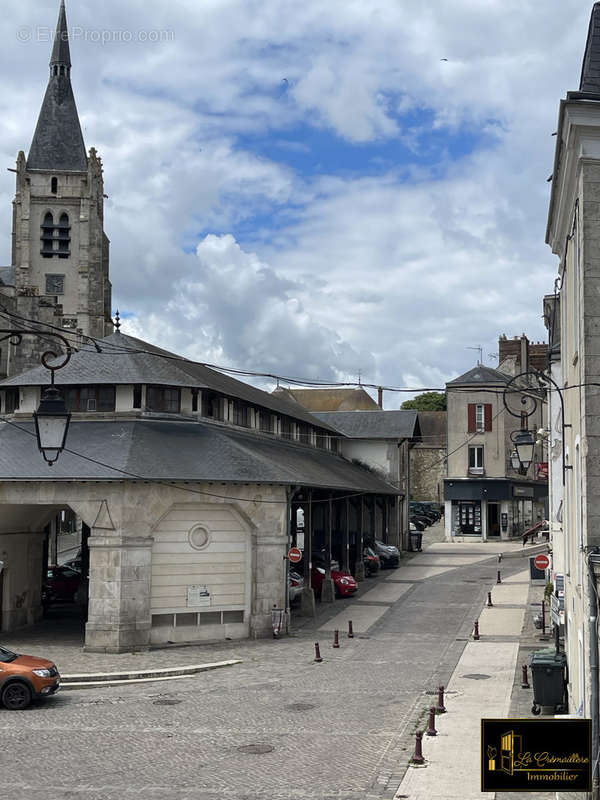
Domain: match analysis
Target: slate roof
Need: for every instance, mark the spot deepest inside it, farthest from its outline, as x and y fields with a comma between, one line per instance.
x=127, y=360
x=481, y=374
x=58, y=142
x=374, y=424
x=7, y=276
x=433, y=428
x=590, y=70
x=171, y=450
x=330, y=399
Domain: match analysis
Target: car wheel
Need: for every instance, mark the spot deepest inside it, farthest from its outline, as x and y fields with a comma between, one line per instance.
x=16, y=696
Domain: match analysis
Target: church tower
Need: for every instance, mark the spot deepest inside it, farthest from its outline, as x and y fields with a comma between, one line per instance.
x=60, y=253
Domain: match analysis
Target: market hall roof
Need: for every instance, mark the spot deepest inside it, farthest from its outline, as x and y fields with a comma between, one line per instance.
x=374, y=424
x=480, y=374
x=127, y=360
x=168, y=450
x=57, y=143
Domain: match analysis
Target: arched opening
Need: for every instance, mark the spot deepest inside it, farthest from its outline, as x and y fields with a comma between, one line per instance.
x=64, y=236
x=47, y=235
x=44, y=575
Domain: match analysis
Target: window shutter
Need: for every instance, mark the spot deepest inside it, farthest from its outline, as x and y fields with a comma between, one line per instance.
x=487, y=415
x=471, y=418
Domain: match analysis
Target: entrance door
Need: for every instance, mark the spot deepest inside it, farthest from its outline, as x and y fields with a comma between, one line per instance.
x=493, y=520
x=469, y=517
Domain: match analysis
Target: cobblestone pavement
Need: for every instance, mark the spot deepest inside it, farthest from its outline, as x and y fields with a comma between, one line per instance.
x=342, y=729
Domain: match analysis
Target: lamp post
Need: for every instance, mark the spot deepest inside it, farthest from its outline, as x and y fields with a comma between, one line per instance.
x=52, y=418
x=529, y=396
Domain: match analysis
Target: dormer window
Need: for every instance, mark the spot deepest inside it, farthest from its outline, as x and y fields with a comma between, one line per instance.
x=90, y=398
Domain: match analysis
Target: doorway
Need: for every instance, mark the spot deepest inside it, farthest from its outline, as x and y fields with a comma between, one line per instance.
x=493, y=520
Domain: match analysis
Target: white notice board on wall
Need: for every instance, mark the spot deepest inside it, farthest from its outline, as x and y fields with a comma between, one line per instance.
x=198, y=596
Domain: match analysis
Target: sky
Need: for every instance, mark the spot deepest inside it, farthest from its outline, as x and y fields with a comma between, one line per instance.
x=323, y=190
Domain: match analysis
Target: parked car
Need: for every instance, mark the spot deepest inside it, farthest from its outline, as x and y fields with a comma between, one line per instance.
x=344, y=583
x=24, y=677
x=371, y=561
x=296, y=585
x=61, y=584
x=74, y=563
x=418, y=522
x=389, y=556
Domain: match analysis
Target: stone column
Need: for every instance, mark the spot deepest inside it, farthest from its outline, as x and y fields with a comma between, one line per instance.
x=119, y=617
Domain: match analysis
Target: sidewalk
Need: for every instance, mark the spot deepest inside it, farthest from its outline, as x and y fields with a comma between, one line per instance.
x=485, y=683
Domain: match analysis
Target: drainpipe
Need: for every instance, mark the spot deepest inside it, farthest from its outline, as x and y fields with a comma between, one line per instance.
x=593, y=564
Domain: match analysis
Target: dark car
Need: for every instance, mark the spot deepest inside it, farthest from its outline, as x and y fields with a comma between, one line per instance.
x=61, y=584
x=371, y=561
x=24, y=677
x=389, y=555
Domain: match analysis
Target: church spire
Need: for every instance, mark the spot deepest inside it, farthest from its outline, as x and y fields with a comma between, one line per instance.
x=61, y=54
x=590, y=71
x=58, y=142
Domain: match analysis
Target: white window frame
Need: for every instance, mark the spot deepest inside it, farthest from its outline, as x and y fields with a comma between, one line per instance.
x=477, y=450
x=480, y=417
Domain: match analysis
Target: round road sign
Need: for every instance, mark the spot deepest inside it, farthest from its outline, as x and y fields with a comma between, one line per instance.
x=295, y=555
x=541, y=561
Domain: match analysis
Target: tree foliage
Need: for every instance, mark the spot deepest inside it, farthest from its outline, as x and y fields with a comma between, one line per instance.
x=428, y=401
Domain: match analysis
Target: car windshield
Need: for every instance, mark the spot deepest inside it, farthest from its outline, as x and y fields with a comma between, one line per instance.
x=7, y=656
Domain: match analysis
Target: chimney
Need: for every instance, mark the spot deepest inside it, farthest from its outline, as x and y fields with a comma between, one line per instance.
x=380, y=397
x=524, y=354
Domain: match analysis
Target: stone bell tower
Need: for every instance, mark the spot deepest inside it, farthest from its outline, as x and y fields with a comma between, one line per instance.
x=60, y=253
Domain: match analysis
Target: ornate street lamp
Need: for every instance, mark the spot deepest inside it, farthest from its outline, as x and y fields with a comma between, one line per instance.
x=51, y=424
x=522, y=455
x=531, y=388
x=52, y=417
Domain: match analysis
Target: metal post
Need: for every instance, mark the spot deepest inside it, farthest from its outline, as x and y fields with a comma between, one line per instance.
x=336, y=639
x=525, y=679
x=441, y=708
x=346, y=564
x=431, y=731
x=359, y=569
x=499, y=577
x=489, y=602
x=476, y=630
x=418, y=756
x=543, y=617
x=318, y=658
x=350, y=630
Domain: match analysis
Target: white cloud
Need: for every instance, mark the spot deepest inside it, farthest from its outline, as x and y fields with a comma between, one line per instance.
x=395, y=274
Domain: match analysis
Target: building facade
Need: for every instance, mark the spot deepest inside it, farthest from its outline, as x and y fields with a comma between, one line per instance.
x=572, y=315
x=484, y=496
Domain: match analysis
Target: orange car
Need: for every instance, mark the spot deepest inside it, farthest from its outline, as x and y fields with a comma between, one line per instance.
x=24, y=677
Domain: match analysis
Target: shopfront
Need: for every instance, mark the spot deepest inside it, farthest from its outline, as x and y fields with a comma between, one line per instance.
x=493, y=508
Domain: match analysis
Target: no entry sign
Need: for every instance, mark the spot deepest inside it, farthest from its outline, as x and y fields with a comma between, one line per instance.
x=295, y=555
x=541, y=561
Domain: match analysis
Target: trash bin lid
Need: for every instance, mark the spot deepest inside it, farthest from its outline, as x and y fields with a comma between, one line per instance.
x=548, y=658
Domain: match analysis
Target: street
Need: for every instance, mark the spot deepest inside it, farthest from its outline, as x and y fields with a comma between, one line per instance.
x=278, y=725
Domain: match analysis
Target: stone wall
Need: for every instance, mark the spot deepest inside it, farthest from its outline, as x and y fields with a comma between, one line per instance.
x=427, y=473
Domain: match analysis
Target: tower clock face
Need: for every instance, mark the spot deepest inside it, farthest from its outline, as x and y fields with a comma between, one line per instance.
x=55, y=284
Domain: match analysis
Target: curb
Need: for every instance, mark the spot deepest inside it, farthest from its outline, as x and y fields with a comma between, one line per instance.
x=94, y=679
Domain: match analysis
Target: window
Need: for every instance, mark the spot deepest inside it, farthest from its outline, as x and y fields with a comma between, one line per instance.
x=479, y=417
x=90, y=398
x=303, y=432
x=194, y=399
x=54, y=185
x=211, y=405
x=265, y=421
x=162, y=398
x=321, y=439
x=286, y=427
x=137, y=396
x=55, y=284
x=11, y=401
x=47, y=235
x=476, y=458
x=241, y=414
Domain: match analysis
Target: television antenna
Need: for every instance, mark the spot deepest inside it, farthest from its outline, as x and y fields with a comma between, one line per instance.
x=479, y=349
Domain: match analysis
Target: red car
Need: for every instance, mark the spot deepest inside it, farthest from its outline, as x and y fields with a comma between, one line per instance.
x=61, y=583
x=344, y=583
